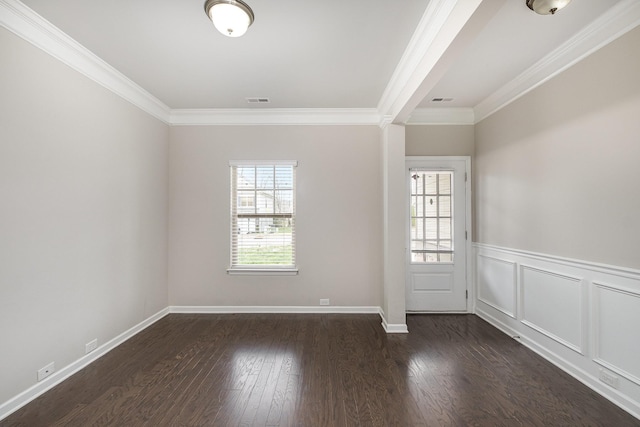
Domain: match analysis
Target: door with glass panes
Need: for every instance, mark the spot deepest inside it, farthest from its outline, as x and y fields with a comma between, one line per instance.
x=436, y=261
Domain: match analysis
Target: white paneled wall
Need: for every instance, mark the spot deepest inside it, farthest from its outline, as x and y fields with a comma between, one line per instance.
x=553, y=304
x=583, y=317
x=497, y=283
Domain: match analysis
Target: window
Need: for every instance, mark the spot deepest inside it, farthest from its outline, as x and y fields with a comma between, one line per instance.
x=263, y=208
x=431, y=216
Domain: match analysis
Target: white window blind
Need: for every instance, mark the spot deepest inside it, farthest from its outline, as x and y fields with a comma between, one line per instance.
x=263, y=215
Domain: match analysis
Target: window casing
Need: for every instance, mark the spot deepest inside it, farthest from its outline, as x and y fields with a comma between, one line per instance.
x=263, y=202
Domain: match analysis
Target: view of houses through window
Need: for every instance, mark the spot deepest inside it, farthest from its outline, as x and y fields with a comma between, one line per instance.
x=431, y=216
x=263, y=215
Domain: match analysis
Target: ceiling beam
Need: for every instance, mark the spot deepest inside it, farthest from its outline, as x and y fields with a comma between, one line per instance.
x=446, y=29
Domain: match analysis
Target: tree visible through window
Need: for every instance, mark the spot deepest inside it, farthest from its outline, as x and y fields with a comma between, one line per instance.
x=263, y=215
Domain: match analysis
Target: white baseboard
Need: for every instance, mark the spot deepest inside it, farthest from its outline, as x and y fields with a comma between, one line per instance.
x=274, y=309
x=393, y=328
x=17, y=402
x=389, y=328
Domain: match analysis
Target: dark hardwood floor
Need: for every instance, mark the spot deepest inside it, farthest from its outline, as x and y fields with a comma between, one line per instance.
x=320, y=370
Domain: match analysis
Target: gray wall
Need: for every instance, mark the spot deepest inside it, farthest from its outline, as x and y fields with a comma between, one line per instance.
x=556, y=171
x=439, y=140
x=83, y=196
x=339, y=215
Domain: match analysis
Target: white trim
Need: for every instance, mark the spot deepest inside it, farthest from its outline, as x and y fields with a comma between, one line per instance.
x=515, y=313
x=580, y=348
x=576, y=348
x=247, y=309
x=385, y=120
x=276, y=116
x=442, y=116
x=393, y=328
x=293, y=163
x=582, y=284
x=430, y=25
x=571, y=262
x=262, y=271
x=596, y=322
x=25, y=23
x=17, y=402
x=616, y=21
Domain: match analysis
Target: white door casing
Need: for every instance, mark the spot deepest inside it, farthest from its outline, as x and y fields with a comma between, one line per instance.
x=438, y=227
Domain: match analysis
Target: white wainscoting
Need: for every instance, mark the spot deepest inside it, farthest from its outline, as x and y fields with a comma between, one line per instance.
x=552, y=304
x=496, y=279
x=583, y=317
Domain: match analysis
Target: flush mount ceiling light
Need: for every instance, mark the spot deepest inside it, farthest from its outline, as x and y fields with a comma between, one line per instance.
x=230, y=17
x=546, y=7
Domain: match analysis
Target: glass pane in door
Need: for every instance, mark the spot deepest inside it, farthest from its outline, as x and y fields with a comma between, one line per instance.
x=431, y=216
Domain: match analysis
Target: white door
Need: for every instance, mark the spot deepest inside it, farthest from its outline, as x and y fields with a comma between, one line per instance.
x=437, y=230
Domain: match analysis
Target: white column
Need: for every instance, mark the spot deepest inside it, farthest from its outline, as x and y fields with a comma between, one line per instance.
x=393, y=176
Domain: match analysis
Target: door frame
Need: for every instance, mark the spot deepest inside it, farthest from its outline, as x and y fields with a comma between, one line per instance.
x=468, y=224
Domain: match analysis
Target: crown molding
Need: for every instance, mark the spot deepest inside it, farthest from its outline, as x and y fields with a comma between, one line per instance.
x=442, y=116
x=25, y=23
x=275, y=116
x=385, y=120
x=616, y=21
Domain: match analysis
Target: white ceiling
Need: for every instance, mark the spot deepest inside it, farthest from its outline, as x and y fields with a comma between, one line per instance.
x=329, y=54
x=512, y=41
x=297, y=53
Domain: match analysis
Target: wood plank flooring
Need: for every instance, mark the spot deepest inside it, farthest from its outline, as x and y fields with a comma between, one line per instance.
x=320, y=370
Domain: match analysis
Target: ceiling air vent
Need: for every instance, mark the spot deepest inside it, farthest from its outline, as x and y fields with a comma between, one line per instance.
x=257, y=100
x=442, y=100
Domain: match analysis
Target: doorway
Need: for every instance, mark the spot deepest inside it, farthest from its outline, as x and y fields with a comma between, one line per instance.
x=438, y=234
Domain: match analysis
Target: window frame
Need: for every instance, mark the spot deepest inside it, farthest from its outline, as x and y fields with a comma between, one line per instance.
x=259, y=269
x=438, y=195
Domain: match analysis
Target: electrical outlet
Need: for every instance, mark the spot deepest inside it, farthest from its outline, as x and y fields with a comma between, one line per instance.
x=46, y=371
x=90, y=346
x=608, y=378
x=324, y=301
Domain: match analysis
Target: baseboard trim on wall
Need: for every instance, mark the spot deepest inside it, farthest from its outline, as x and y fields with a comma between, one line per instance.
x=389, y=328
x=576, y=314
x=17, y=402
x=183, y=309
x=393, y=328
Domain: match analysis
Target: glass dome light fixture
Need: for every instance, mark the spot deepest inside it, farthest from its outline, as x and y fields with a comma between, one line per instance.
x=231, y=17
x=546, y=7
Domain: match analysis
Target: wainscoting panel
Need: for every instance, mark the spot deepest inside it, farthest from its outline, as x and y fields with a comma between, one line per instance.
x=617, y=330
x=581, y=316
x=552, y=304
x=497, y=283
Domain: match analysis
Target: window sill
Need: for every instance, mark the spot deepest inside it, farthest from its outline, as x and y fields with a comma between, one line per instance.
x=265, y=271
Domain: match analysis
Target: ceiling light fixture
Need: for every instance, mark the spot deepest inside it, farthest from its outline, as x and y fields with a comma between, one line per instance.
x=230, y=17
x=546, y=7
